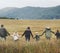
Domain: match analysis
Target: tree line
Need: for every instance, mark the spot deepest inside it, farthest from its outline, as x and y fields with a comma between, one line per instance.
x=6, y=18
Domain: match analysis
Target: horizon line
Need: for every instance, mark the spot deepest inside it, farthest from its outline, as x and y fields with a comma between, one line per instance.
x=31, y=6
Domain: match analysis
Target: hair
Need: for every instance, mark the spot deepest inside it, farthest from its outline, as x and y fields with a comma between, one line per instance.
x=2, y=25
x=57, y=30
x=28, y=27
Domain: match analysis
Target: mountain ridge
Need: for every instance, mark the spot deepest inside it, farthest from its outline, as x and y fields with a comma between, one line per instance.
x=31, y=12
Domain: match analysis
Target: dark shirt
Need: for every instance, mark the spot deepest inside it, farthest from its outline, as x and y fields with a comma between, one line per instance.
x=37, y=37
x=27, y=33
x=57, y=34
x=3, y=32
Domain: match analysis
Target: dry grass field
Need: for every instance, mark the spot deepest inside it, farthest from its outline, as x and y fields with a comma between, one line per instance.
x=21, y=46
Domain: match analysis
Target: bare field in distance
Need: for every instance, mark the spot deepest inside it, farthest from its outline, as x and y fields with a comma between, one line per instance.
x=36, y=25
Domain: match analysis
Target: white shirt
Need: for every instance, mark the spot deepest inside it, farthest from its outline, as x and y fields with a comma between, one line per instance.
x=15, y=36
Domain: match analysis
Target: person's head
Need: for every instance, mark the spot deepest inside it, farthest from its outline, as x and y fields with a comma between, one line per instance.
x=57, y=30
x=28, y=27
x=2, y=25
x=48, y=28
x=36, y=33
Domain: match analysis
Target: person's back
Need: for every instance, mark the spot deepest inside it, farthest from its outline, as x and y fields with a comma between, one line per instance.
x=27, y=34
x=57, y=34
x=3, y=32
x=15, y=36
x=48, y=33
x=37, y=36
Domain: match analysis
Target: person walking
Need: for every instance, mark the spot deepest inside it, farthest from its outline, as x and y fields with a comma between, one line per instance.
x=27, y=34
x=57, y=34
x=3, y=32
x=37, y=36
x=48, y=33
x=15, y=36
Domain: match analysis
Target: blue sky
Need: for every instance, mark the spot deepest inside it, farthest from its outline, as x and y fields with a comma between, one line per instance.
x=23, y=3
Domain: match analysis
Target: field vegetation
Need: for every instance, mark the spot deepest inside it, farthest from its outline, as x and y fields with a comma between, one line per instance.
x=21, y=46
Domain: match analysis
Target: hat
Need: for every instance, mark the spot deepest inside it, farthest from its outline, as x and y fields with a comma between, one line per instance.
x=48, y=27
x=36, y=32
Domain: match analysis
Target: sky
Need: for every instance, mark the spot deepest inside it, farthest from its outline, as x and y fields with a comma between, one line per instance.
x=24, y=3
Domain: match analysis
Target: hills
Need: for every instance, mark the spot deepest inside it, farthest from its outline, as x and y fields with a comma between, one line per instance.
x=31, y=12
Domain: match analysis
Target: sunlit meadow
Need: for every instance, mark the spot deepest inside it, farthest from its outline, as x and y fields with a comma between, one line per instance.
x=21, y=46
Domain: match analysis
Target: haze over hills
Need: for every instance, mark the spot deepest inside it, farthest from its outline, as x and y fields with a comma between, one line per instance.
x=31, y=12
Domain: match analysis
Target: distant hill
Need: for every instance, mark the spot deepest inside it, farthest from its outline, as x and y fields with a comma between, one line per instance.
x=31, y=12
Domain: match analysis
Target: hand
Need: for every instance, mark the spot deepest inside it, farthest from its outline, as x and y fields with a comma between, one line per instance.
x=40, y=35
x=33, y=37
x=21, y=36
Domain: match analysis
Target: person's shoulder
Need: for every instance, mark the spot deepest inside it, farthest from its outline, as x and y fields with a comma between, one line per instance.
x=27, y=30
x=2, y=28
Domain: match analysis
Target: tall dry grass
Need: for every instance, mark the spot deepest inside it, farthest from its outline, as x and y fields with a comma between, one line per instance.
x=21, y=46
x=47, y=46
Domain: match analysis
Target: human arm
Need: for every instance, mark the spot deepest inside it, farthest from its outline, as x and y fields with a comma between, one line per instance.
x=42, y=33
x=23, y=33
x=7, y=32
x=31, y=34
x=53, y=32
x=34, y=37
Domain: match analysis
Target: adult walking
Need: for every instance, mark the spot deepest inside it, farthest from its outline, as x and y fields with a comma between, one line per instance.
x=48, y=33
x=27, y=34
x=3, y=32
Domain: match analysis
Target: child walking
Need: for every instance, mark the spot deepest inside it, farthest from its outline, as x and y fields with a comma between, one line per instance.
x=57, y=34
x=37, y=36
x=15, y=36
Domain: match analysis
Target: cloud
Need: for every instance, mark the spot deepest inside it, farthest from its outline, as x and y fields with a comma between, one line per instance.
x=22, y=3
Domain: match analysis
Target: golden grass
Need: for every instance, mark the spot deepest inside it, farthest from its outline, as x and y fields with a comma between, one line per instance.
x=36, y=25
x=21, y=46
